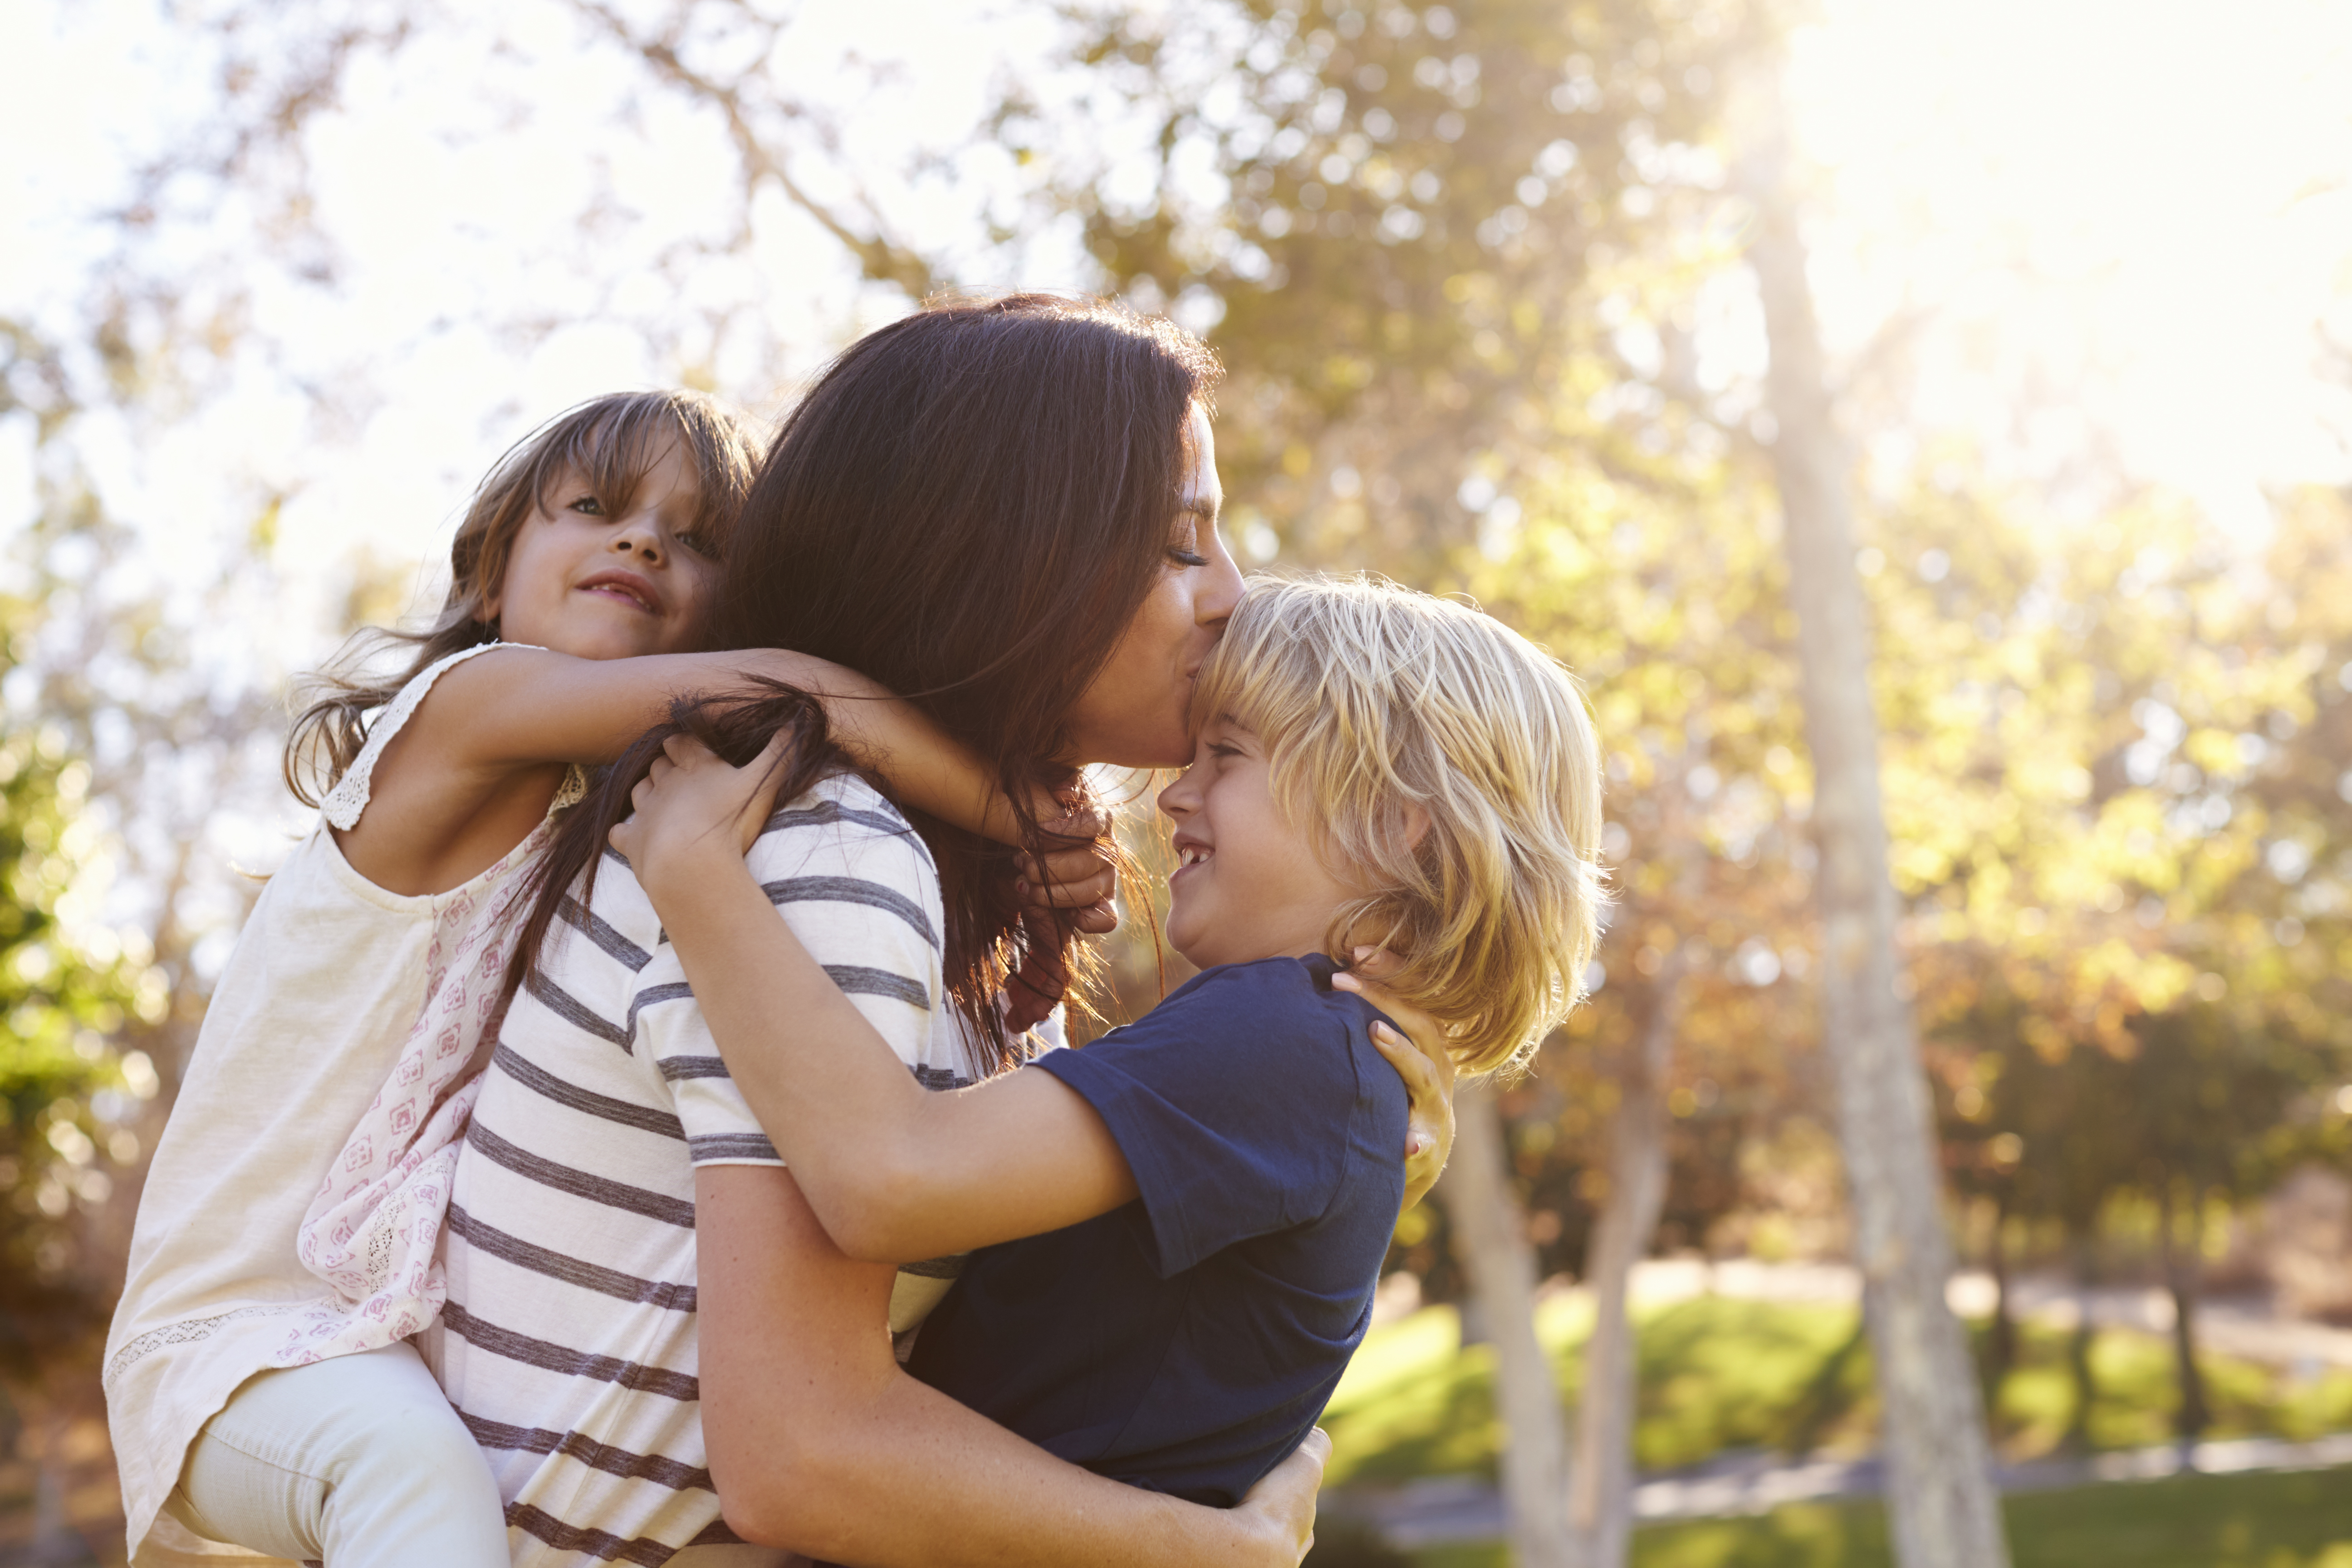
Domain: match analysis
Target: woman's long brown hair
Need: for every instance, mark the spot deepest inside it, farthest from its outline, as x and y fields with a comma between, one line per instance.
x=969, y=506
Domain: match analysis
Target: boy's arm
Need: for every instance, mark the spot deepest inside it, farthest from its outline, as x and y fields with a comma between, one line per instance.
x=818, y=1441
x=893, y=1170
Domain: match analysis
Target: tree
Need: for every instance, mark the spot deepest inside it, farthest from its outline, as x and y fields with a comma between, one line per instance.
x=67, y=1092
x=1941, y=1497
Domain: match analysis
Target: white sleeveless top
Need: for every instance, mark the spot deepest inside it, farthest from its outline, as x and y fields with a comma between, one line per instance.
x=292, y=1206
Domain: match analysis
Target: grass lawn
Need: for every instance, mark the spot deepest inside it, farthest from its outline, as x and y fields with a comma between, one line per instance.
x=1718, y=1374
x=2301, y=1520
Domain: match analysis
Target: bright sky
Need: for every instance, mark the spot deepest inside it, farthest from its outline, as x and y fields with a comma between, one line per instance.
x=2144, y=206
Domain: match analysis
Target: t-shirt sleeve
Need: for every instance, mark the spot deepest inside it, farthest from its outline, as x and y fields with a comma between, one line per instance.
x=1230, y=1104
x=855, y=886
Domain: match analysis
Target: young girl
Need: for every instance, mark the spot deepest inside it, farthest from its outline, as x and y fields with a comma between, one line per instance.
x=1183, y=1223
x=259, y=1384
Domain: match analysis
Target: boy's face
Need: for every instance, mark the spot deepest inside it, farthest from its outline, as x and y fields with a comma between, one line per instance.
x=596, y=587
x=1249, y=885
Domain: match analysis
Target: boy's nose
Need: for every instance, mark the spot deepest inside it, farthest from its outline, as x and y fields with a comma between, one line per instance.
x=1175, y=802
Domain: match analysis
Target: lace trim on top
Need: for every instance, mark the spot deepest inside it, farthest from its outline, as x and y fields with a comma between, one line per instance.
x=343, y=804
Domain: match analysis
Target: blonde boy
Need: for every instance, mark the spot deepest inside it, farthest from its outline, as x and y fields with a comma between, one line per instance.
x=1180, y=1226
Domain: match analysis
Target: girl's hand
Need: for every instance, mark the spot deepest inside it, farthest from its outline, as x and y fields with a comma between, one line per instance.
x=1078, y=879
x=1061, y=892
x=695, y=813
x=1421, y=1060
x=1281, y=1508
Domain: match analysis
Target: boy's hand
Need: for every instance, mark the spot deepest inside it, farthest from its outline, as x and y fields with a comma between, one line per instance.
x=695, y=812
x=1424, y=1062
x=1281, y=1508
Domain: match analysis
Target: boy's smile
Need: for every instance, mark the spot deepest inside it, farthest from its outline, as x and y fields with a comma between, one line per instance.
x=1249, y=884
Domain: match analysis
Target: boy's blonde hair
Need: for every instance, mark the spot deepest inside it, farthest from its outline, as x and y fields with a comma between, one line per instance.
x=1377, y=704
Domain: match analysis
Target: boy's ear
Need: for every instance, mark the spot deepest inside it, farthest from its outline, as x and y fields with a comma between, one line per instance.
x=1416, y=826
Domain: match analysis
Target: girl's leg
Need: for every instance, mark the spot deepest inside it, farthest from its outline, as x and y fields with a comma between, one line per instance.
x=357, y=1462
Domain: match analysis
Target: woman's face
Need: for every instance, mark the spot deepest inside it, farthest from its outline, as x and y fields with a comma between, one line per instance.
x=1134, y=712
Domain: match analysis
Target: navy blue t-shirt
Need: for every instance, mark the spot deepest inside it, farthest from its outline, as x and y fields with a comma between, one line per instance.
x=1188, y=1341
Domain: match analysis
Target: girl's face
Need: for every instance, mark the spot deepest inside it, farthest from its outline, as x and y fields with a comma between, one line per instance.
x=1135, y=711
x=596, y=587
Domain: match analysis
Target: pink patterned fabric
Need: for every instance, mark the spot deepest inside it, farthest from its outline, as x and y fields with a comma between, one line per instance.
x=372, y=1230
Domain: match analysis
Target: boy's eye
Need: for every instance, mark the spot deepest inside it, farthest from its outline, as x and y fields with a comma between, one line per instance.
x=1224, y=749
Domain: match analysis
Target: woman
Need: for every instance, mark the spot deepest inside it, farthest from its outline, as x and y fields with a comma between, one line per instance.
x=1006, y=512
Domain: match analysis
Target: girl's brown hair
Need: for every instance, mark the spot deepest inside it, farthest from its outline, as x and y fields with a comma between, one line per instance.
x=607, y=445
x=969, y=506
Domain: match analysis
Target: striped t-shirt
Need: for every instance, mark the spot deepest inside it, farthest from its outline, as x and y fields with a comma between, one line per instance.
x=568, y=1342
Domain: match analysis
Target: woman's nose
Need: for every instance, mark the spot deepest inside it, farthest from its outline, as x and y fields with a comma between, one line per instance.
x=1221, y=592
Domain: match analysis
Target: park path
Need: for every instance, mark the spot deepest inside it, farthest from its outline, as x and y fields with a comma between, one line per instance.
x=1454, y=1508
x=1450, y=1509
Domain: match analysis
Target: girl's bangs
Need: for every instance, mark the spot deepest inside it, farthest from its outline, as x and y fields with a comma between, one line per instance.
x=615, y=444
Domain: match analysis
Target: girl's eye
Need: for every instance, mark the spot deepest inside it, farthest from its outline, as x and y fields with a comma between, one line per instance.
x=586, y=506
x=701, y=544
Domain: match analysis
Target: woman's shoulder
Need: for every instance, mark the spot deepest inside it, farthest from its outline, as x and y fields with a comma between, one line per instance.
x=841, y=815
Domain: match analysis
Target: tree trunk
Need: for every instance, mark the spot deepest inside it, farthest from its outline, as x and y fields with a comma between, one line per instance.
x=2000, y=1338
x=55, y=1543
x=2083, y=1246
x=2193, y=1415
x=1492, y=1243
x=1601, y=1481
x=1940, y=1499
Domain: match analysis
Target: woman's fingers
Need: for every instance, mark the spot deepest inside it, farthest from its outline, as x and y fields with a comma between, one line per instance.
x=1427, y=1068
x=1285, y=1497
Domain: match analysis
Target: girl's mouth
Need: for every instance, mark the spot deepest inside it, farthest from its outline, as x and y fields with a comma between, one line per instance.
x=625, y=586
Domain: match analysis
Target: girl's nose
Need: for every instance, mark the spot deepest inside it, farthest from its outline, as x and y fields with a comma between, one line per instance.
x=639, y=539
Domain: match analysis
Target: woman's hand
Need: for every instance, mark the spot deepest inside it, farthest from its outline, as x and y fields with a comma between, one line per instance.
x=1424, y=1062
x=696, y=813
x=1281, y=1508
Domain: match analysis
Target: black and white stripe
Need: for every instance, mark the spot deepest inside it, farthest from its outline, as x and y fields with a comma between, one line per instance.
x=569, y=1339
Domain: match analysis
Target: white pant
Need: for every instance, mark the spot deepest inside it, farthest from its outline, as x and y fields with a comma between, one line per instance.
x=356, y=1462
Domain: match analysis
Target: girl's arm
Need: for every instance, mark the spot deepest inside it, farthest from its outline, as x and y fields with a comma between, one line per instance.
x=820, y=1442
x=471, y=772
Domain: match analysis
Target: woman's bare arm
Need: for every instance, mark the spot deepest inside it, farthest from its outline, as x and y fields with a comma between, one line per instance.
x=819, y=1442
